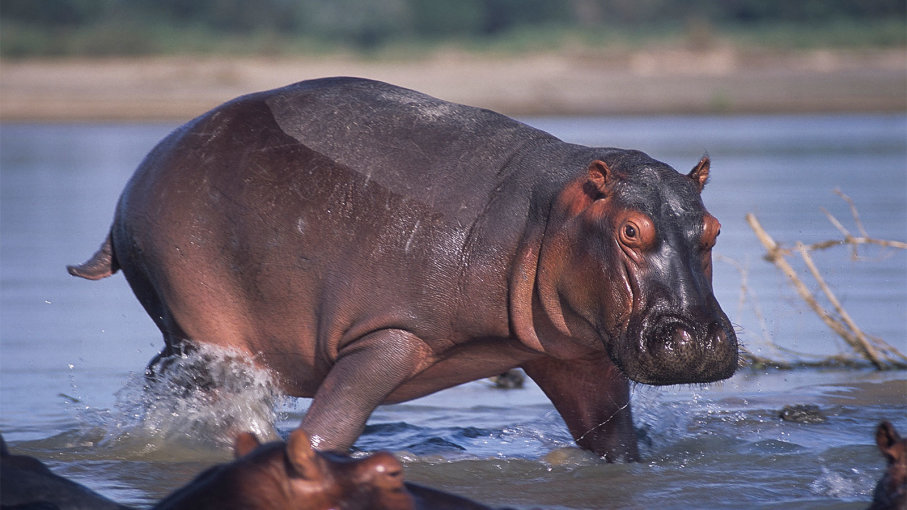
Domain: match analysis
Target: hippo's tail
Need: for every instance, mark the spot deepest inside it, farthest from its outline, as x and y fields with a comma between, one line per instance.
x=101, y=265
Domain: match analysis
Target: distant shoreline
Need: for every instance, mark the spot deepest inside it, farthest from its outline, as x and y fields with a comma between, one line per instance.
x=722, y=80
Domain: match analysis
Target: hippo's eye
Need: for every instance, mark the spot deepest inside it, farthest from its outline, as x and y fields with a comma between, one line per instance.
x=636, y=232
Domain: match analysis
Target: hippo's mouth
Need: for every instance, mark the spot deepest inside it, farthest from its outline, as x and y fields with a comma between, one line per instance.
x=671, y=349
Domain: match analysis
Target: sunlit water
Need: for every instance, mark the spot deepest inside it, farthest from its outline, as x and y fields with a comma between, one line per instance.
x=72, y=352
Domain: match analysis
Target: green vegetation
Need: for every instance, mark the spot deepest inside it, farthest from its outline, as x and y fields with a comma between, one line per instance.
x=141, y=27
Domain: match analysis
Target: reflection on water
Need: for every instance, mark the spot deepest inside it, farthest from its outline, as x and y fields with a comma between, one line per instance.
x=72, y=352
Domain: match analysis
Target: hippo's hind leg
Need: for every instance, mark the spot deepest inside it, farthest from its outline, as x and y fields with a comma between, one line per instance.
x=176, y=347
x=175, y=340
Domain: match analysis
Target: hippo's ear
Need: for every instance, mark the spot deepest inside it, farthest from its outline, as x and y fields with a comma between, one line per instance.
x=244, y=443
x=886, y=437
x=302, y=456
x=700, y=172
x=599, y=180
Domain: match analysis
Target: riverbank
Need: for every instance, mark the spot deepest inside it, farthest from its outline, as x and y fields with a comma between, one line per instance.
x=657, y=81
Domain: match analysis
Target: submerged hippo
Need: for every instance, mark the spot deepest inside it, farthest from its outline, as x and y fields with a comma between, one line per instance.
x=292, y=476
x=273, y=476
x=891, y=491
x=370, y=244
x=27, y=483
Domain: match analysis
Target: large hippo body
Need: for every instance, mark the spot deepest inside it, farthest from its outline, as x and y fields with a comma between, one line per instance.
x=371, y=244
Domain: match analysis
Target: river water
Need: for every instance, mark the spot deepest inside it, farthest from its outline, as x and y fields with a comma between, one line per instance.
x=72, y=351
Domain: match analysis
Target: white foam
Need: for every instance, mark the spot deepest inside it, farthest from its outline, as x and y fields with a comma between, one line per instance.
x=854, y=484
x=202, y=400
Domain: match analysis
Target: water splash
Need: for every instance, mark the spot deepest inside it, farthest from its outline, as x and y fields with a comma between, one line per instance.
x=196, y=406
x=852, y=485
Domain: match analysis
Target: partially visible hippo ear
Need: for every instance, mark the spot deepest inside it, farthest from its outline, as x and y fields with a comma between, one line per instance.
x=886, y=437
x=245, y=442
x=302, y=456
x=700, y=172
x=600, y=179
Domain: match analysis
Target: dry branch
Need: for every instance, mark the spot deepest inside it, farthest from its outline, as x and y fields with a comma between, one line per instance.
x=853, y=212
x=876, y=351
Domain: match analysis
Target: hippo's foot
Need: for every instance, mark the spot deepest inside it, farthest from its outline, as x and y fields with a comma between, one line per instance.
x=171, y=364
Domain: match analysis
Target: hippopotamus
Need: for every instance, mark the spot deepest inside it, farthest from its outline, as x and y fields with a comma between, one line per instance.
x=293, y=476
x=26, y=482
x=891, y=491
x=271, y=476
x=371, y=244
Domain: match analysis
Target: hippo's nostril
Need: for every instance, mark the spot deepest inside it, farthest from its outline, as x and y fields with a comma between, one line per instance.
x=681, y=339
x=671, y=338
x=720, y=337
x=392, y=471
x=387, y=472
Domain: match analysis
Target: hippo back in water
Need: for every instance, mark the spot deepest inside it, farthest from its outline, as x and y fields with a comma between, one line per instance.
x=370, y=244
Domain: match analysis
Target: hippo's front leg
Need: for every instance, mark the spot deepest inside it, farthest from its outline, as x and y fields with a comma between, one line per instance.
x=365, y=373
x=593, y=397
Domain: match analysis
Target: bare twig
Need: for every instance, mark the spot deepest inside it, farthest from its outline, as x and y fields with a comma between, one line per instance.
x=853, y=212
x=875, y=350
x=857, y=339
x=852, y=240
x=834, y=221
x=848, y=239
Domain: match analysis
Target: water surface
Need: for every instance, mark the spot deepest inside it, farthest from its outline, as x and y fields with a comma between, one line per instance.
x=72, y=351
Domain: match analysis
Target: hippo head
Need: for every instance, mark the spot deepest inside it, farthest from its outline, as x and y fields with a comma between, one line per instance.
x=327, y=480
x=630, y=265
x=293, y=476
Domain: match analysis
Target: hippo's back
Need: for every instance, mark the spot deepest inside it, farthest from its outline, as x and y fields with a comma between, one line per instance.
x=415, y=145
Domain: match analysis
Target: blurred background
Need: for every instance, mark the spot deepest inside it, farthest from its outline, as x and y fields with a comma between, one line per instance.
x=141, y=27
x=173, y=59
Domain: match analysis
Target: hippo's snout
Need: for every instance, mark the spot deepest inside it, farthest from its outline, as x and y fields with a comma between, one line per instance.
x=677, y=351
x=383, y=471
